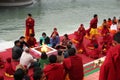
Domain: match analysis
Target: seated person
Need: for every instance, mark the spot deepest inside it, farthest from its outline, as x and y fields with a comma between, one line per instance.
x=113, y=27
x=109, y=22
x=1, y=77
x=1, y=63
x=55, y=32
x=95, y=52
x=38, y=74
x=19, y=74
x=54, y=71
x=9, y=71
x=63, y=43
x=44, y=39
x=105, y=30
x=54, y=40
x=43, y=60
x=26, y=58
x=92, y=42
x=22, y=42
x=32, y=41
x=60, y=56
x=16, y=50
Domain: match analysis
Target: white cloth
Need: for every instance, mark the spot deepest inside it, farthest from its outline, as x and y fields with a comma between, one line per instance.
x=26, y=59
x=113, y=27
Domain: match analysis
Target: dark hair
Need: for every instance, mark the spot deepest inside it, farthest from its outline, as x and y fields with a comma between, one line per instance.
x=95, y=45
x=43, y=33
x=17, y=41
x=29, y=14
x=109, y=19
x=22, y=37
x=59, y=52
x=116, y=37
x=52, y=58
x=66, y=36
x=69, y=46
x=32, y=35
x=71, y=51
x=37, y=73
x=95, y=15
x=19, y=74
x=44, y=55
x=104, y=20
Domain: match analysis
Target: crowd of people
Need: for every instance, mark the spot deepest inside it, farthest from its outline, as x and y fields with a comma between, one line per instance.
x=67, y=64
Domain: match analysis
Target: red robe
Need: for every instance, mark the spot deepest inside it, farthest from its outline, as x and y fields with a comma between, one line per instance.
x=54, y=71
x=29, y=26
x=105, y=30
x=108, y=40
x=110, y=70
x=93, y=23
x=94, y=53
x=31, y=42
x=1, y=63
x=9, y=69
x=74, y=67
x=54, y=32
x=92, y=43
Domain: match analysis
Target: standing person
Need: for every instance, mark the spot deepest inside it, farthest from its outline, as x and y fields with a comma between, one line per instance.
x=93, y=25
x=110, y=70
x=16, y=50
x=29, y=26
x=73, y=65
x=54, y=71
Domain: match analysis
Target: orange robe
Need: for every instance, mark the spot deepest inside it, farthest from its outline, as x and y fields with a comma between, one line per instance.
x=74, y=67
x=110, y=70
x=29, y=27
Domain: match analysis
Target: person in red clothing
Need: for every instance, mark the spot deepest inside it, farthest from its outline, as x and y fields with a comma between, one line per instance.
x=29, y=26
x=79, y=36
x=31, y=41
x=105, y=30
x=109, y=22
x=73, y=65
x=54, y=71
x=1, y=63
x=94, y=53
x=93, y=41
x=110, y=69
x=93, y=26
x=9, y=71
x=55, y=32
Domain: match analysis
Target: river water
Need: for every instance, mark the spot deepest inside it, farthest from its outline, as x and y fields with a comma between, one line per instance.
x=66, y=15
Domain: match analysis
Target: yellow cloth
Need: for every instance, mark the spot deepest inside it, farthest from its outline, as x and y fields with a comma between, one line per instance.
x=8, y=75
x=93, y=31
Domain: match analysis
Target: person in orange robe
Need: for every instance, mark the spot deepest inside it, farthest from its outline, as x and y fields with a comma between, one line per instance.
x=32, y=41
x=79, y=36
x=110, y=69
x=109, y=22
x=29, y=26
x=9, y=71
x=73, y=65
x=105, y=30
x=54, y=71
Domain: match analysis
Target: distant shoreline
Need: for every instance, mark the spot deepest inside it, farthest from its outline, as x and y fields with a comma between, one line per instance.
x=12, y=4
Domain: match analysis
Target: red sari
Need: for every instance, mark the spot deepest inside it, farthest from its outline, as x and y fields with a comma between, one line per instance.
x=29, y=27
x=110, y=70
